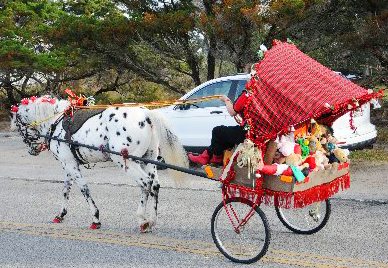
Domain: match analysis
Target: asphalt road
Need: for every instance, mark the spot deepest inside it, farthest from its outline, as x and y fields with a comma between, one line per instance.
x=30, y=196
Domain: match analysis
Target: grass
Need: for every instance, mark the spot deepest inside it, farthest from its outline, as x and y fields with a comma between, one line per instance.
x=382, y=135
x=370, y=155
x=378, y=153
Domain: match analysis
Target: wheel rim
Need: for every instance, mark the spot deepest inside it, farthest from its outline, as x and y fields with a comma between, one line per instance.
x=250, y=243
x=305, y=220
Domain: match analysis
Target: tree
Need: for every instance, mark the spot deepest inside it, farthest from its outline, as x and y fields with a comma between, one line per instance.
x=172, y=44
x=345, y=35
x=24, y=57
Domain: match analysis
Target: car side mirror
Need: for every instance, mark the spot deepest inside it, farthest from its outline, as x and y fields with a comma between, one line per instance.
x=184, y=107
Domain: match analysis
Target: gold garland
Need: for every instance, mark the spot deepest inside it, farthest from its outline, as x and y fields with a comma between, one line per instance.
x=152, y=103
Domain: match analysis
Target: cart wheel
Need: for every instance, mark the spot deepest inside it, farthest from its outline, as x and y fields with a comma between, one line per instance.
x=251, y=241
x=307, y=220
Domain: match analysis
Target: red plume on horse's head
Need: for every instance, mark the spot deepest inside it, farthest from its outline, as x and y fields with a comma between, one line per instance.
x=14, y=109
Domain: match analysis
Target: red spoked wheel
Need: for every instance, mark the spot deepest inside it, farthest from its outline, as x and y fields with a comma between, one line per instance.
x=240, y=230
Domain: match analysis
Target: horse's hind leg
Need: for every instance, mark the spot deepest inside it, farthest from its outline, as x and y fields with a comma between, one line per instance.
x=153, y=189
x=137, y=173
x=66, y=191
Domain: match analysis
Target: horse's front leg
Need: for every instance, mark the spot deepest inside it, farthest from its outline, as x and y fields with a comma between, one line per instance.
x=65, y=194
x=74, y=173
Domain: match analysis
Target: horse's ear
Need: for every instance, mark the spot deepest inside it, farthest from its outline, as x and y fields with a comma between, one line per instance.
x=12, y=116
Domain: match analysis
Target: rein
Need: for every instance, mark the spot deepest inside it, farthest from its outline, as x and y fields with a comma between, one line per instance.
x=31, y=140
x=127, y=156
x=44, y=120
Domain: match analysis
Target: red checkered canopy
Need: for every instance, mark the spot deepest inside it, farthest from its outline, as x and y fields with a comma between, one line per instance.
x=290, y=88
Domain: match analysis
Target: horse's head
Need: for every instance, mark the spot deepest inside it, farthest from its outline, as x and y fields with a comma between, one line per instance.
x=34, y=117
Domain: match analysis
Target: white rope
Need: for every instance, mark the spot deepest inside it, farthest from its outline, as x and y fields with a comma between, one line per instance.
x=248, y=156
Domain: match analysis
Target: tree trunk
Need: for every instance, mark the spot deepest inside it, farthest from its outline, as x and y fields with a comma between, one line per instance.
x=211, y=59
x=239, y=66
x=192, y=61
x=10, y=95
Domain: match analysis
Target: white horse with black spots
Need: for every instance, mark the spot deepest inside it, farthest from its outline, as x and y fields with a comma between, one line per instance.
x=128, y=130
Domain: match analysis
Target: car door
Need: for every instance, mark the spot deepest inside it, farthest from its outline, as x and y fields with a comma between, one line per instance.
x=193, y=123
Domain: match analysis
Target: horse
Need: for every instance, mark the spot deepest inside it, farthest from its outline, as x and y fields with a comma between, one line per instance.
x=137, y=131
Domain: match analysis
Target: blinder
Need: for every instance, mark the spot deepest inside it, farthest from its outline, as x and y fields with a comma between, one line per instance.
x=32, y=141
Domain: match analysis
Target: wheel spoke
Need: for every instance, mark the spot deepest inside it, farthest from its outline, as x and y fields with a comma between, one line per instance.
x=307, y=220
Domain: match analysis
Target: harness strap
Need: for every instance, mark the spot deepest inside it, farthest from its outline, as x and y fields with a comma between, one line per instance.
x=74, y=149
x=77, y=155
x=52, y=130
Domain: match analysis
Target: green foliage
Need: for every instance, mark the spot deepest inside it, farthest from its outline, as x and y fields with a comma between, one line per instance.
x=131, y=46
x=345, y=35
x=21, y=45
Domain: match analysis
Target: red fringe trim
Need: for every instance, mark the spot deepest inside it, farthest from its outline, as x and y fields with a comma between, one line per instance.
x=321, y=192
x=284, y=200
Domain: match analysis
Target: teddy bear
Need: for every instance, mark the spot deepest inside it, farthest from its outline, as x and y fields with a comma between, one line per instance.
x=296, y=160
x=321, y=161
x=339, y=156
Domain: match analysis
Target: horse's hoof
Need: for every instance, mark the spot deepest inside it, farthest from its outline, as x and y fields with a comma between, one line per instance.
x=95, y=226
x=57, y=220
x=145, y=227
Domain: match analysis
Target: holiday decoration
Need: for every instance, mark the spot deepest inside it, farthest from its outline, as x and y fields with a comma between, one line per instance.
x=293, y=101
x=290, y=88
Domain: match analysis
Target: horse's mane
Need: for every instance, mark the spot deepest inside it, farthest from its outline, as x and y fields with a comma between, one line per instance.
x=43, y=107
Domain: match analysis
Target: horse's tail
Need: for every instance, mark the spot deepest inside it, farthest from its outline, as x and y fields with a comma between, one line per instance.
x=170, y=148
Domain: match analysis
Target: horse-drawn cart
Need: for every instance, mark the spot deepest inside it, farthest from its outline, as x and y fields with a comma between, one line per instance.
x=287, y=91
x=293, y=101
x=240, y=228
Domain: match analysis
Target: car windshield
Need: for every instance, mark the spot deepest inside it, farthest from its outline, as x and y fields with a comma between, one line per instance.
x=219, y=88
x=240, y=87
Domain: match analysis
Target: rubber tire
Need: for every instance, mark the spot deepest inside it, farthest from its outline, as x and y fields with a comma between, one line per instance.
x=266, y=228
x=305, y=232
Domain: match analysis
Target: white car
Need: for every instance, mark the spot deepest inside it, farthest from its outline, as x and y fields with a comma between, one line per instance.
x=193, y=123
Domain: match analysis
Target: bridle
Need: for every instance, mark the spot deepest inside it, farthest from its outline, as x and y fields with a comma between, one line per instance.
x=36, y=141
x=23, y=131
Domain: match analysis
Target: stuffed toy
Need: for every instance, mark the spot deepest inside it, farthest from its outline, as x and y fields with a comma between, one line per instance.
x=315, y=145
x=285, y=145
x=279, y=158
x=312, y=146
x=319, y=130
x=310, y=160
x=321, y=161
x=295, y=162
x=330, y=144
x=304, y=148
x=339, y=156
